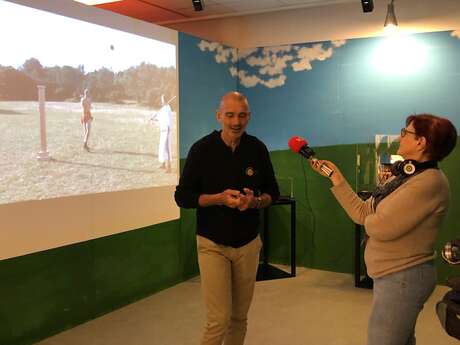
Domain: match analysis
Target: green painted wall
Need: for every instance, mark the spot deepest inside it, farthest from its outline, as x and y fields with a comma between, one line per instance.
x=47, y=292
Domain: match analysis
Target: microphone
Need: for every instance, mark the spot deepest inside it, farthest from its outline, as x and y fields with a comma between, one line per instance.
x=300, y=146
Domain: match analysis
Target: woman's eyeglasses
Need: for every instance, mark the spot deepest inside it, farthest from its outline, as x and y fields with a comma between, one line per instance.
x=405, y=131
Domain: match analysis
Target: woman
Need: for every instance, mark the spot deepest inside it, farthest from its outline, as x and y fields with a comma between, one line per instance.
x=402, y=219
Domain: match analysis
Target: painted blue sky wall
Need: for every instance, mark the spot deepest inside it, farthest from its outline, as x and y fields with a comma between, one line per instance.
x=345, y=92
x=203, y=78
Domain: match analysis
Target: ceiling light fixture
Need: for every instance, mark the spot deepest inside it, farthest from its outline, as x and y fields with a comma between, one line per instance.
x=391, y=24
x=368, y=5
x=198, y=5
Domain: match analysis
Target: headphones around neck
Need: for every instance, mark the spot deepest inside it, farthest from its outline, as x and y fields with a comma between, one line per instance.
x=409, y=167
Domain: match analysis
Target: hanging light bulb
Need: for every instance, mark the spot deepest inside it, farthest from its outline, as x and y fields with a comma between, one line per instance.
x=391, y=24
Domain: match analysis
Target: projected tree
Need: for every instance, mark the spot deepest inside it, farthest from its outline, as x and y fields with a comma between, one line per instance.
x=143, y=84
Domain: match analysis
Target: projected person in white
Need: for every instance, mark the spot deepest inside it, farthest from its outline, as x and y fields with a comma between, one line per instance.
x=164, y=117
x=86, y=117
x=228, y=177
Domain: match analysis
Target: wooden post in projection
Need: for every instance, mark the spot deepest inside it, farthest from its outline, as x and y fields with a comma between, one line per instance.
x=43, y=153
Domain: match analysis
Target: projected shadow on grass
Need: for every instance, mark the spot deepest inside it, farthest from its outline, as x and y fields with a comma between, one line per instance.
x=104, y=166
x=111, y=152
x=10, y=112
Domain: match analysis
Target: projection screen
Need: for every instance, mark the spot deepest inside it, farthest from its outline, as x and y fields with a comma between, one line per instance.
x=89, y=115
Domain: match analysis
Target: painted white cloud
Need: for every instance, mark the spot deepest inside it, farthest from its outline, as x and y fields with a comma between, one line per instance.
x=248, y=80
x=269, y=63
x=273, y=60
x=306, y=55
x=277, y=49
x=276, y=66
x=275, y=82
x=456, y=34
x=243, y=53
x=223, y=54
x=252, y=80
x=258, y=61
x=338, y=43
x=233, y=71
x=234, y=54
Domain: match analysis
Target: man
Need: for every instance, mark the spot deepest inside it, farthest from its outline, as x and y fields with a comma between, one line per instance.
x=164, y=117
x=228, y=177
x=86, y=118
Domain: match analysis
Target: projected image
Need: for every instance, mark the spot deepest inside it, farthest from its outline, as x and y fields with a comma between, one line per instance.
x=83, y=108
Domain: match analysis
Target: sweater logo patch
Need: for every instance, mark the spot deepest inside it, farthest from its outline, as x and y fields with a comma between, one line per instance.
x=250, y=171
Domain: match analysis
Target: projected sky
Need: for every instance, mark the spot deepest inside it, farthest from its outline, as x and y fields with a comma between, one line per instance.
x=59, y=40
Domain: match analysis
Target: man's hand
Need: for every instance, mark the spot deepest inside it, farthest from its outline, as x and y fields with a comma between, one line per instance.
x=247, y=200
x=231, y=198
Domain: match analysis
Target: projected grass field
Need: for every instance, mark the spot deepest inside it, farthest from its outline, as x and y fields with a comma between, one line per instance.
x=124, y=148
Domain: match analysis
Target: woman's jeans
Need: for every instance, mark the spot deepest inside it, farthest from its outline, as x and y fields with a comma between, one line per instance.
x=398, y=299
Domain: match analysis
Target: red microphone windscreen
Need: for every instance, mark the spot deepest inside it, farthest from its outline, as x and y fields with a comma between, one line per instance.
x=296, y=143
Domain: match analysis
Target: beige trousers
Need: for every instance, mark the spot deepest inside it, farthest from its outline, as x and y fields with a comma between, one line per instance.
x=228, y=277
